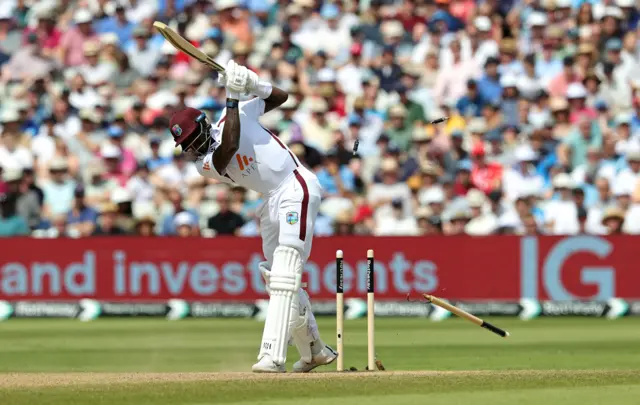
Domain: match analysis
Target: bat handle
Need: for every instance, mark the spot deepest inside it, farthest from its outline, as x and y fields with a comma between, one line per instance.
x=494, y=329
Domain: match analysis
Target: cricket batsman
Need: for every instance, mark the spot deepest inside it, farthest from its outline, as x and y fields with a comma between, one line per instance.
x=238, y=150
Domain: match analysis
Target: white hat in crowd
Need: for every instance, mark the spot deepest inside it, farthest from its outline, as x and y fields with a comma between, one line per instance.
x=184, y=218
x=109, y=151
x=121, y=195
x=475, y=198
x=482, y=23
x=82, y=16
x=58, y=164
x=525, y=153
x=576, y=90
x=434, y=195
x=9, y=175
x=537, y=19
x=9, y=115
x=562, y=180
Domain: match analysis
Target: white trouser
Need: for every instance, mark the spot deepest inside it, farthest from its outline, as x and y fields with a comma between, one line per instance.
x=287, y=219
x=288, y=216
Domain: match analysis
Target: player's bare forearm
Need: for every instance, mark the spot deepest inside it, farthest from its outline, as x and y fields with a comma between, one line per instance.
x=230, y=140
x=275, y=99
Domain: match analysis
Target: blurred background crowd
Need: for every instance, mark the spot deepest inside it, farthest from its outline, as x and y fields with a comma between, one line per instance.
x=543, y=100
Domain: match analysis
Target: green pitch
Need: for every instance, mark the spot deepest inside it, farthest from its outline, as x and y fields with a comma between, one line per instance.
x=199, y=362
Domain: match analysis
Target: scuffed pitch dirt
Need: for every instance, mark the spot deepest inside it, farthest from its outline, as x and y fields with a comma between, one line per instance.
x=27, y=380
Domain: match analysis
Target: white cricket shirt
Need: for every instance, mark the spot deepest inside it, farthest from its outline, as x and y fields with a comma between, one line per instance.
x=262, y=161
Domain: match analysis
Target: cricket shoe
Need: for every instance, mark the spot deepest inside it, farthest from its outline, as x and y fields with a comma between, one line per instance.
x=267, y=365
x=326, y=356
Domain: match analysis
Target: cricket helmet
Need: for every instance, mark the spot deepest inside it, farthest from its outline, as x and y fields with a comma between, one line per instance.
x=190, y=129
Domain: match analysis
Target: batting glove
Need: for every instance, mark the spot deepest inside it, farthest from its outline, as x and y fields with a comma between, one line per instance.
x=252, y=82
x=222, y=82
x=237, y=77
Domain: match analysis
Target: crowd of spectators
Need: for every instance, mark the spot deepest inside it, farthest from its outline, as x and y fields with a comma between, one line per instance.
x=542, y=99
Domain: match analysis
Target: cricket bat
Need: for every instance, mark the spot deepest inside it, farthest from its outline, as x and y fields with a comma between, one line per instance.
x=185, y=46
x=465, y=315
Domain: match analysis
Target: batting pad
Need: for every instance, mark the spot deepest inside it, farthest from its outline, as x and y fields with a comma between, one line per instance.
x=285, y=280
x=265, y=270
x=304, y=330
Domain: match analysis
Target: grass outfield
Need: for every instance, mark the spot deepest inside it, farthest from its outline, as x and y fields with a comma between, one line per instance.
x=197, y=362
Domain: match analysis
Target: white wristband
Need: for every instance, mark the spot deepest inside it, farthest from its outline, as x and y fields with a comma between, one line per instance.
x=263, y=89
x=233, y=94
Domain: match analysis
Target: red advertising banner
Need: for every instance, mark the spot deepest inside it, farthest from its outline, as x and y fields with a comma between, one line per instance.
x=226, y=269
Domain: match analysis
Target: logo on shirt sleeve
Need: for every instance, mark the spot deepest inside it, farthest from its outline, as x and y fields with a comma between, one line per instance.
x=292, y=217
x=206, y=166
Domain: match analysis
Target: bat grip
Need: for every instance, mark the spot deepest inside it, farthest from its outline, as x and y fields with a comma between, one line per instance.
x=494, y=329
